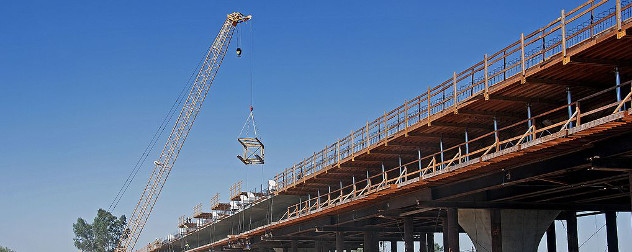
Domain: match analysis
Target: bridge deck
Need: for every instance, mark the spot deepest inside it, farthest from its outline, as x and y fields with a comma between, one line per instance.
x=416, y=158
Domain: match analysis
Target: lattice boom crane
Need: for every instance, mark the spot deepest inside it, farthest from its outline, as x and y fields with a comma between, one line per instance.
x=192, y=105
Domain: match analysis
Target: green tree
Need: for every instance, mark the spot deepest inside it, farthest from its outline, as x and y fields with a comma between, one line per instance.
x=102, y=235
x=5, y=249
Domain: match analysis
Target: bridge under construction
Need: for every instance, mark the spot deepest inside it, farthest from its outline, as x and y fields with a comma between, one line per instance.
x=538, y=131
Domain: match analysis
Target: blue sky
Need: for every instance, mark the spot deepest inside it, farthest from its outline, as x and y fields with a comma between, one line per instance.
x=84, y=85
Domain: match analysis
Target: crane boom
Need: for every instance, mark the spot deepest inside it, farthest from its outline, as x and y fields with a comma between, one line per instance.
x=190, y=109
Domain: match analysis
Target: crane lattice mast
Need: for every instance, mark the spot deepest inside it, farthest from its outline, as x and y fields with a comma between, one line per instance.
x=190, y=109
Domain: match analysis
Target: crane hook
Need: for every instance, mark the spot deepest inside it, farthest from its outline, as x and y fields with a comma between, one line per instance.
x=238, y=52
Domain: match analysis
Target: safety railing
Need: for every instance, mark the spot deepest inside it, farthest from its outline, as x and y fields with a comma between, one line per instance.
x=571, y=29
x=553, y=123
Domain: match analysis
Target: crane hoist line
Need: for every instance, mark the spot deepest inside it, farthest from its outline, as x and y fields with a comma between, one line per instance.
x=175, y=141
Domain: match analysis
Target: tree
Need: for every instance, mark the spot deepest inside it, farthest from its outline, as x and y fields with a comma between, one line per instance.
x=5, y=249
x=102, y=235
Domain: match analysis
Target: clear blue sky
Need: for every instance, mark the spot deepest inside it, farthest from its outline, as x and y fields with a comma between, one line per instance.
x=84, y=84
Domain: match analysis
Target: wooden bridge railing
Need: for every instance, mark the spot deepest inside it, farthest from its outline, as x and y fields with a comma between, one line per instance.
x=571, y=29
x=519, y=135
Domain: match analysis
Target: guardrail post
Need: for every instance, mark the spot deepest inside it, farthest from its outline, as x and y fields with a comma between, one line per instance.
x=456, y=107
x=620, y=32
x=338, y=151
x=354, y=187
x=383, y=173
x=428, y=99
x=486, y=80
x=352, y=152
x=523, y=63
x=366, y=131
x=385, y=129
x=577, y=108
x=406, y=117
x=565, y=59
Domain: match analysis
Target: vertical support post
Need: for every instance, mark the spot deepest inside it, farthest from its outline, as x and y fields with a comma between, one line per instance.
x=453, y=230
x=340, y=242
x=551, y=242
x=523, y=63
x=568, y=103
x=430, y=242
x=285, y=249
x=294, y=246
x=446, y=236
x=318, y=200
x=393, y=246
x=428, y=108
x=383, y=172
x=529, y=122
x=338, y=151
x=370, y=243
x=366, y=132
x=543, y=45
x=408, y=234
x=496, y=230
x=385, y=128
x=354, y=186
x=423, y=245
x=571, y=232
x=565, y=59
x=318, y=246
x=496, y=132
x=399, y=161
x=611, y=231
x=441, y=148
x=486, y=95
x=620, y=32
x=618, y=85
x=456, y=107
x=467, y=146
x=419, y=158
x=352, y=151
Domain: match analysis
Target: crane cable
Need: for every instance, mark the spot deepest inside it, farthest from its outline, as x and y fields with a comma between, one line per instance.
x=156, y=136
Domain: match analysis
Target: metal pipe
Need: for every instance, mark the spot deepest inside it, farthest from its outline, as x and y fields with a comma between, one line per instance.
x=618, y=83
x=467, y=146
x=495, y=130
x=529, y=123
x=570, y=109
x=419, y=157
x=441, y=147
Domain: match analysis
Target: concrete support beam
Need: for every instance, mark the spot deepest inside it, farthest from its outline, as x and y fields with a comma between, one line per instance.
x=430, y=241
x=520, y=230
x=340, y=242
x=453, y=230
x=571, y=232
x=371, y=244
x=551, y=242
x=496, y=230
x=611, y=232
x=408, y=234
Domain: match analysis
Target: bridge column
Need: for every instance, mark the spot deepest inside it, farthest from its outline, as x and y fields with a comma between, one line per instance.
x=294, y=246
x=340, y=242
x=611, y=231
x=453, y=230
x=551, y=242
x=393, y=246
x=408, y=234
x=423, y=246
x=571, y=232
x=430, y=241
x=520, y=230
x=371, y=244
